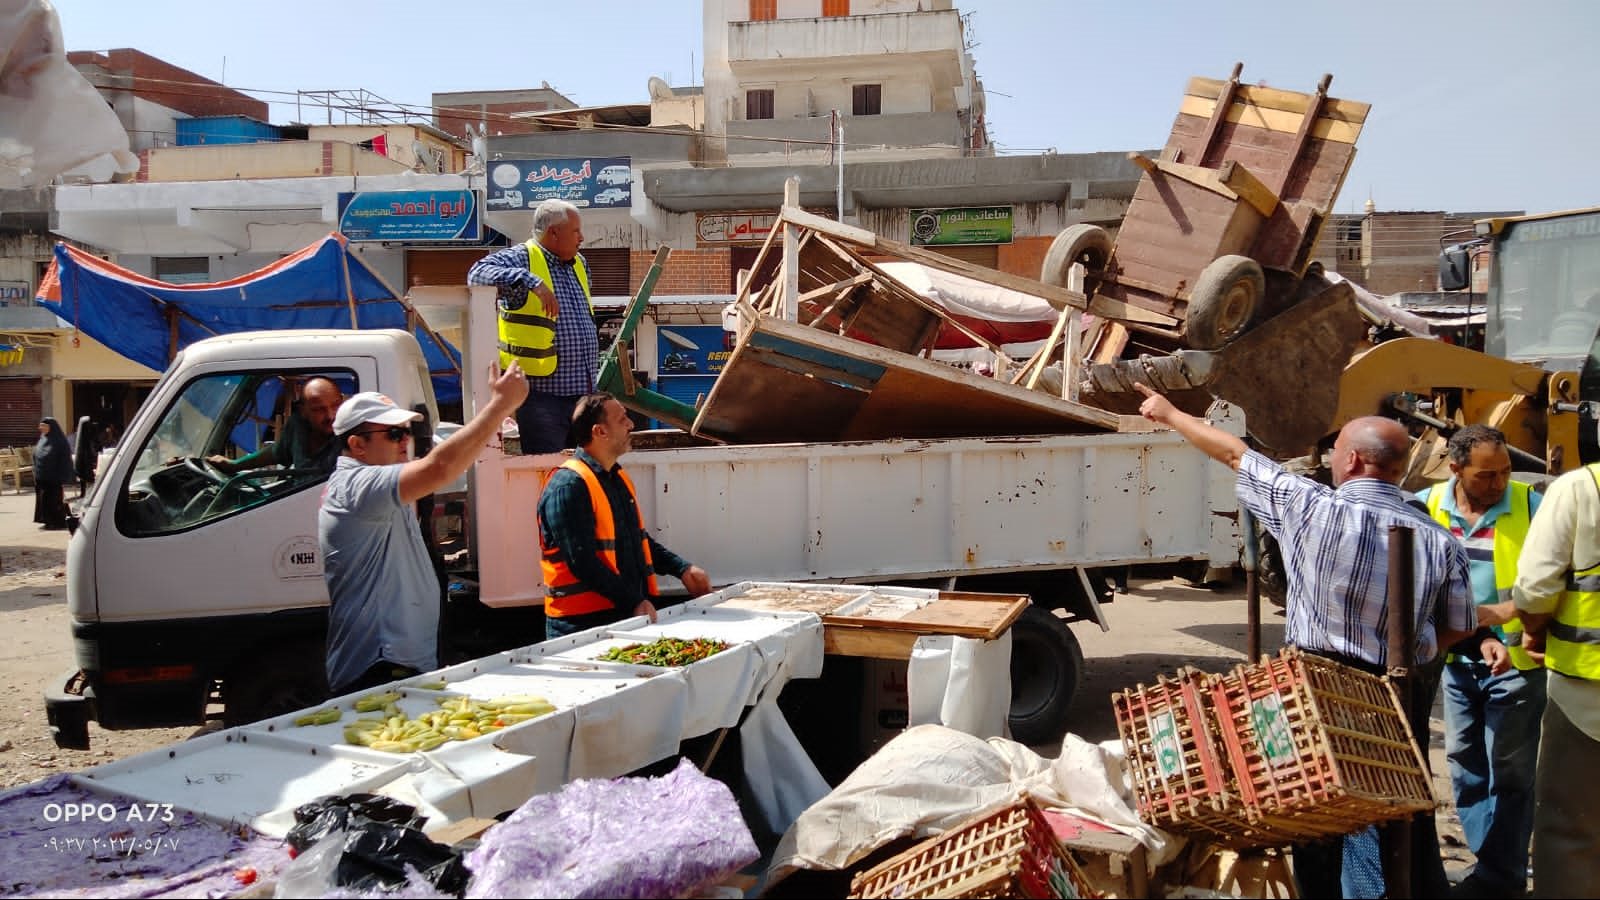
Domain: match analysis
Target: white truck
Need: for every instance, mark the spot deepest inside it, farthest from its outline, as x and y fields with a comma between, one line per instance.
x=187, y=586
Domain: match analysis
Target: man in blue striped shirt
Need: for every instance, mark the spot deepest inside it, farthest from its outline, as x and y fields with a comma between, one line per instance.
x=1336, y=557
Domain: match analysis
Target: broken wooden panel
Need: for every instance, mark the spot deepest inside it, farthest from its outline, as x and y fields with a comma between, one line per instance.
x=787, y=382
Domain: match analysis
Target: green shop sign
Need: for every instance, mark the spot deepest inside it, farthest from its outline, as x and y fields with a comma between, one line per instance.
x=961, y=225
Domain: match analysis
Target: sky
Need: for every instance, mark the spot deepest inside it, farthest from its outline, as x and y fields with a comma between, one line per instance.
x=1476, y=105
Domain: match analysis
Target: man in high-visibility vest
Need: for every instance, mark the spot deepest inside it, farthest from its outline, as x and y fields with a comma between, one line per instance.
x=1557, y=595
x=599, y=563
x=546, y=322
x=1494, y=692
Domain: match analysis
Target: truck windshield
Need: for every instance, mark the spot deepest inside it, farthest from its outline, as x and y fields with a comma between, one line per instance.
x=1544, y=289
x=229, y=442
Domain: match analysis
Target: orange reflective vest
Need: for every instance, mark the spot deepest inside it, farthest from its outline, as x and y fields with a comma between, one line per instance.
x=567, y=596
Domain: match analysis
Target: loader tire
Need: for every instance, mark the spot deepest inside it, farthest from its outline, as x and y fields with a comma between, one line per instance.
x=1046, y=669
x=1081, y=243
x=275, y=681
x=1223, y=302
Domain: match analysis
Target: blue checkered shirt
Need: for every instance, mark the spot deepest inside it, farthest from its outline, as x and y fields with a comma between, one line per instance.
x=1336, y=555
x=577, y=342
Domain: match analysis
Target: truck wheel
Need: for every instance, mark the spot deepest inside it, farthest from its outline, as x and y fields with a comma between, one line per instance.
x=1081, y=243
x=285, y=679
x=1223, y=302
x=1046, y=669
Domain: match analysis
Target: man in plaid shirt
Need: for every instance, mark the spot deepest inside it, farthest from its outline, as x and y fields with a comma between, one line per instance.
x=563, y=369
x=1336, y=556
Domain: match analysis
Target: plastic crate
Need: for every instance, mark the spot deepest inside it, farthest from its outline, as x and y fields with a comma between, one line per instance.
x=1319, y=748
x=1010, y=852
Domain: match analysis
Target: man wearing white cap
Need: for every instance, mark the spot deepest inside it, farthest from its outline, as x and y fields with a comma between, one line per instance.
x=383, y=618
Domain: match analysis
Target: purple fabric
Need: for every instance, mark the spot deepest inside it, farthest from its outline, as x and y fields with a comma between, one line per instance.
x=628, y=837
x=126, y=849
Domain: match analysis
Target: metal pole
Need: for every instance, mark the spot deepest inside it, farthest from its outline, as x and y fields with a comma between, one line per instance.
x=1252, y=586
x=1397, y=874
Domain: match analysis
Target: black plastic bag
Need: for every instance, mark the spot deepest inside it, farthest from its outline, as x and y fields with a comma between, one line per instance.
x=320, y=818
x=381, y=838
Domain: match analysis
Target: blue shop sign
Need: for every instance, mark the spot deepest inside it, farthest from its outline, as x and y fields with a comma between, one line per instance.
x=691, y=350
x=587, y=182
x=410, y=216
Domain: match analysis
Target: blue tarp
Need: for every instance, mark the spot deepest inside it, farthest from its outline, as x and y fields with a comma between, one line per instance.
x=132, y=314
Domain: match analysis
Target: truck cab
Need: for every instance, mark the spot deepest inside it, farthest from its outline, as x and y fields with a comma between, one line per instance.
x=250, y=615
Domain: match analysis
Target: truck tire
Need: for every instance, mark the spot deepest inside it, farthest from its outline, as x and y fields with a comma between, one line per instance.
x=1224, y=300
x=277, y=681
x=1081, y=243
x=1046, y=669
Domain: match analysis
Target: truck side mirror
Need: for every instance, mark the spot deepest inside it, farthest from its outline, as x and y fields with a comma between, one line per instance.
x=1455, y=268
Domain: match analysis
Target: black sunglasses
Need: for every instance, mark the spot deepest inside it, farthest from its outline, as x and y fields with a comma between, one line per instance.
x=395, y=433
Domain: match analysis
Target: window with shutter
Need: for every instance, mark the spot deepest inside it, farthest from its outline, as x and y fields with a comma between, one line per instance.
x=608, y=271
x=866, y=99
x=758, y=104
x=762, y=10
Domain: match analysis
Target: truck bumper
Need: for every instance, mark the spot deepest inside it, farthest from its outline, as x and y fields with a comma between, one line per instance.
x=69, y=705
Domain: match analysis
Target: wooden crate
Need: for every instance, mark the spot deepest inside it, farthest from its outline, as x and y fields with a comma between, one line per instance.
x=1181, y=777
x=1007, y=853
x=1320, y=748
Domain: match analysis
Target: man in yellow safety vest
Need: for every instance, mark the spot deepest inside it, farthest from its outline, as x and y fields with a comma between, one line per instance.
x=1557, y=594
x=546, y=322
x=1494, y=693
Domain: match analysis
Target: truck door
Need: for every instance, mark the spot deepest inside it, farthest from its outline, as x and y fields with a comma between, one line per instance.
x=190, y=538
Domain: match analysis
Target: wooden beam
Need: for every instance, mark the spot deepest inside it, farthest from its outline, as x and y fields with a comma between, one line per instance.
x=1219, y=113
x=836, y=287
x=791, y=255
x=843, y=232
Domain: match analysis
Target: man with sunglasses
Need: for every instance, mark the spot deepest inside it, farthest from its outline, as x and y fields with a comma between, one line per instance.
x=383, y=615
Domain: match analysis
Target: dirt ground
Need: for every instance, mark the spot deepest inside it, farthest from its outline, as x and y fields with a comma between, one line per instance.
x=1159, y=625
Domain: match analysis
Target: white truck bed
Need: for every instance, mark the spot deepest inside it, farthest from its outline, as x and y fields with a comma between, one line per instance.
x=900, y=509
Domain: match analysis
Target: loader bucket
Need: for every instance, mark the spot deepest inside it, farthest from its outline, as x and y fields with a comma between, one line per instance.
x=1284, y=373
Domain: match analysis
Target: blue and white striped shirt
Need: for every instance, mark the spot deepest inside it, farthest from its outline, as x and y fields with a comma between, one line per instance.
x=1336, y=556
x=577, y=341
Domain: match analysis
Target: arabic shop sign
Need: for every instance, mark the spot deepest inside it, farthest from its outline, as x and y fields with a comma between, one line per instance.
x=590, y=182
x=15, y=293
x=740, y=227
x=961, y=225
x=410, y=216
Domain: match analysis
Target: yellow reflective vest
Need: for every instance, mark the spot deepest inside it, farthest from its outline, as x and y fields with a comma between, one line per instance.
x=527, y=335
x=1572, y=641
x=1510, y=530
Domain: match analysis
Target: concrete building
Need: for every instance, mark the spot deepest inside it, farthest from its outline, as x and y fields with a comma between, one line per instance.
x=897, y=71
x=150, y=95
x=1396, y=251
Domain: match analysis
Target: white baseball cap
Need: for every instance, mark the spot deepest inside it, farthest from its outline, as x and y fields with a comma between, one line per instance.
x=369, y=407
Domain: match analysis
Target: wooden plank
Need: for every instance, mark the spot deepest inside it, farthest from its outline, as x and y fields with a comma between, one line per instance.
x=961, y=613
x=827, y=226
x=903, y=405
x=1327, y=129
x=1276, y=98
x=836, y=287
x=847, y=640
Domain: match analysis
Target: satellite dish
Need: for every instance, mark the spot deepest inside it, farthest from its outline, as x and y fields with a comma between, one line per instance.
x=659, y=89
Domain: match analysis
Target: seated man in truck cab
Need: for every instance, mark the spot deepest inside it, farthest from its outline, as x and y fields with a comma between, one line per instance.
x=383, y=611
x=598, y=561
x=307, y=440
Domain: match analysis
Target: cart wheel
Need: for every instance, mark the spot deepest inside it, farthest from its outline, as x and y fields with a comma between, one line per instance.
x=1081, y=243
x=1223, y=302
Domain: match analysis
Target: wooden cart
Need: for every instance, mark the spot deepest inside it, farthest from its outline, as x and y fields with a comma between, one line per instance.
x=1222, y=225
